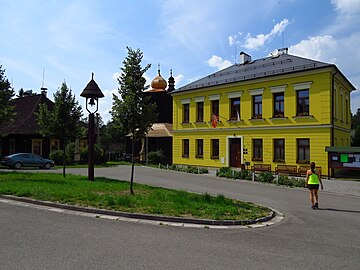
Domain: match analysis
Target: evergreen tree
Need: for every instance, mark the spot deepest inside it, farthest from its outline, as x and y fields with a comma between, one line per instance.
x=63, y=121
x=132, y=111
x=7, y=111
x=21, y=92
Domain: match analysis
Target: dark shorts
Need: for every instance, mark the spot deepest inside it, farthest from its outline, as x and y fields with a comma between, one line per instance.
x=312, y=186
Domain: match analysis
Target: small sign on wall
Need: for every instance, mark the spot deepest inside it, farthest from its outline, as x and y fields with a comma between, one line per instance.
x=222, y=160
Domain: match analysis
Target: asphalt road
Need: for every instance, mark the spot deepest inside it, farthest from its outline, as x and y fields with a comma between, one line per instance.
x=305, y=239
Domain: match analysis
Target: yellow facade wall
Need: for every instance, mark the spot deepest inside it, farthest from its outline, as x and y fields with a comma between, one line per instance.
x=317, y=127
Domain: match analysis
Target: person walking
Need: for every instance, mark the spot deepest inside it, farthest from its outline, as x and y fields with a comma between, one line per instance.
x=313, y=179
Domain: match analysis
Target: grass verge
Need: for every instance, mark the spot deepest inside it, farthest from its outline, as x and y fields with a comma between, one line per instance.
x=111, y=194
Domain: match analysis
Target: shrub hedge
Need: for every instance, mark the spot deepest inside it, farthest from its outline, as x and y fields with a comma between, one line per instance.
x=188, y=169
x=265, y=177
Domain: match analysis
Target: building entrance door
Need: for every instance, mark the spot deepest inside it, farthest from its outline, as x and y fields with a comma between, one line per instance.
x=235, y=152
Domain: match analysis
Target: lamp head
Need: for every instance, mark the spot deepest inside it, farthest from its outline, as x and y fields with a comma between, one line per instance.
x=92, y=92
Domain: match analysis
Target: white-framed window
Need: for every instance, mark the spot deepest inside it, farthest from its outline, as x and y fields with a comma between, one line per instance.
x=185, y=110
x=302, y=98
x=256, y=102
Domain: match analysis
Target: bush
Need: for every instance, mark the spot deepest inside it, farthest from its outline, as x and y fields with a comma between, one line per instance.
x=290, y=182
x=265, y=177
x=70, y=152
x=172, y=167
x=188, y=169
x=227, y=172
x=57, y=157
x=156, y=157
x=203, y=170
x=222, y=172
x=98, y=154
x=246, y=175
x=192, y=169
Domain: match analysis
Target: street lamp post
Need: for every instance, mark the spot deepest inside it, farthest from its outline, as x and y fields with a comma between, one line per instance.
x=92, y=93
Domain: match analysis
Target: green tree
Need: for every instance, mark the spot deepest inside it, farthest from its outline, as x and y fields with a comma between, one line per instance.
x=133, y=111
x=355, y=127
x=21, y=93
x=355, y=119
x=63, y=121
x=7, y=111
x=112, y=138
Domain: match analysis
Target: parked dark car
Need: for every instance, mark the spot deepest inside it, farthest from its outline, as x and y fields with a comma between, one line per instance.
x=26, y=160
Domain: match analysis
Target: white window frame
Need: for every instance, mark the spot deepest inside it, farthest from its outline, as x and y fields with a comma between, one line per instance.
x=256, y=92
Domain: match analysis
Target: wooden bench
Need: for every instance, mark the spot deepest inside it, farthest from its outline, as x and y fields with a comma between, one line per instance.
x=261, y=168
x=303, y=169
x=286, y=169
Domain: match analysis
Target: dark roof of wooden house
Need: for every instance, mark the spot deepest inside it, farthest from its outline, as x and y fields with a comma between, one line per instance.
x=25, y=119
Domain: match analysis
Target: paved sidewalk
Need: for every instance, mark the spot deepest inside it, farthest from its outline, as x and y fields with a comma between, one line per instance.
x=342, y=186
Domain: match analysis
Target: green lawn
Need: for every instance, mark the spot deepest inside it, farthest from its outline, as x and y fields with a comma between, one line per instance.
x=114, y=195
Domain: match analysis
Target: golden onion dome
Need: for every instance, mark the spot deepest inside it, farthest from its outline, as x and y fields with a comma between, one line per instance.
x=158, y=84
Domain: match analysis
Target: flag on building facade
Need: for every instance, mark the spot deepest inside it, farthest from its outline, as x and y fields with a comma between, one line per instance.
x=214, y=120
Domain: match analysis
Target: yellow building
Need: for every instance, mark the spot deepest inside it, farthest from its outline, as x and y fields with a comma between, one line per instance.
x=277, y=110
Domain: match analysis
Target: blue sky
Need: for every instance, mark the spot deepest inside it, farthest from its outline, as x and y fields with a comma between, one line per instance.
x=69, y=39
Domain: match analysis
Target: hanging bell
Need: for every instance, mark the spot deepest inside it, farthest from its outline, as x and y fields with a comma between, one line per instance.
x=92, y=102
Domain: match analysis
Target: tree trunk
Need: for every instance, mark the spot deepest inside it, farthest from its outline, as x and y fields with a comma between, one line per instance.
x=132, y=166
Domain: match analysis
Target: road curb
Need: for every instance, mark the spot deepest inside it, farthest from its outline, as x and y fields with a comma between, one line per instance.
x=271, y=219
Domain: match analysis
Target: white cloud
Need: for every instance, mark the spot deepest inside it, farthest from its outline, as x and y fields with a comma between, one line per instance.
x=232, y=40
x=279, y=27
x=347, y=17
x=254, y=43
x=178, y=79
x=218, y=62
x=347, y=7
x=321, y=48
x=341, y=51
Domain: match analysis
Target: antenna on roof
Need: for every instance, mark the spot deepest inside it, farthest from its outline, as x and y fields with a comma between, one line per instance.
x=43, y=81
x=43, y=89
x=235, y=54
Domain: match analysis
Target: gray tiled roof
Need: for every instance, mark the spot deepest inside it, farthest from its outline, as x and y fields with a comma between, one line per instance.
x=259, y=68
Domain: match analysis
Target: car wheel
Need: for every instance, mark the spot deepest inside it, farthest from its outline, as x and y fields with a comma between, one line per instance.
x=17, y=165
x=47, y=165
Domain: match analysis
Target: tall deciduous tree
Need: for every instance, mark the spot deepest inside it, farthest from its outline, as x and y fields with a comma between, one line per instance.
x=132, y=111
x=6, y=94
x=63, y=121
